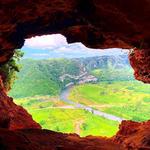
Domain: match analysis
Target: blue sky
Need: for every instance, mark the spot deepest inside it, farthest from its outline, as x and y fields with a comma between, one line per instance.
x=56, y=46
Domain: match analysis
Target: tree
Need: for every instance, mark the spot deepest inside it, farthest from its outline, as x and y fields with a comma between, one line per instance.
x=10, y=69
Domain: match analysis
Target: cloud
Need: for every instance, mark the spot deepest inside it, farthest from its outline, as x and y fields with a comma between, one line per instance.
x=45, y=41
x=55, y=46
x=40, y=54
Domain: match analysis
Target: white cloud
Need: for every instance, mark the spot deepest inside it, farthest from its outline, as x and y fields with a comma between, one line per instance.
x=40, y=54
x=46, y=41
x=56, y=45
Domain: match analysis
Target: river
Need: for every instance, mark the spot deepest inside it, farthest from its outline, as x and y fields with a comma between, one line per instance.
x=64, y=97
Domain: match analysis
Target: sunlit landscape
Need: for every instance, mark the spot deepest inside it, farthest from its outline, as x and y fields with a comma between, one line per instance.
x=88, y=92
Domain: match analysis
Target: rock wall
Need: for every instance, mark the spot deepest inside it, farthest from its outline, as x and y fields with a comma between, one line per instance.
x=140, y=62
x=131, y=136
x=134, y=135
x=36, y=139
x=97, y=24
x=12, y=116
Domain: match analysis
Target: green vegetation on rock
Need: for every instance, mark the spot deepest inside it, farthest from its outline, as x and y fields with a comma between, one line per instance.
x=9, y=70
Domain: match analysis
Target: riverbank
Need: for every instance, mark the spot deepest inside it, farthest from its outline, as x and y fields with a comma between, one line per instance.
x=64, y=96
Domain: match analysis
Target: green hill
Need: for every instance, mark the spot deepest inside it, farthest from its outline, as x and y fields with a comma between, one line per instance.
x=41, y=77
x=39, y=84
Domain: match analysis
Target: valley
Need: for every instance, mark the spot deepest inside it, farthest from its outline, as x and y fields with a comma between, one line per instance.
x=59, y=116
x=127, y=99
x=80, y=94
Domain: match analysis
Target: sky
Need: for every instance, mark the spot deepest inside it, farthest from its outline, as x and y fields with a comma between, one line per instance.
x=56, y=46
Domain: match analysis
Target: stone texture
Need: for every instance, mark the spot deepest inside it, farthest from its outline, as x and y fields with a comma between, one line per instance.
x=131, y=136
x=140, y=61
x=134, y=135
x=34, y=139
x=13, y=116
x=96, y=23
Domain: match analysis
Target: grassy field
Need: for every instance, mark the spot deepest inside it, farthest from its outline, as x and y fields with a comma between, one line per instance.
x=39, y=102
x=116, y=93
x=127, y=99
x=51, y=113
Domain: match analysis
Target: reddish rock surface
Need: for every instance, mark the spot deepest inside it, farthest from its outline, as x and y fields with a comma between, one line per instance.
x=134, y=135
x=140, y=61
x=96, y=23
x=131, y=136
x=13, y=116
x=34, y=139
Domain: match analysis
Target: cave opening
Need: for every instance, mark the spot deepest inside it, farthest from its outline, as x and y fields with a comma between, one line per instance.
x=97, y=24
x=70, y=88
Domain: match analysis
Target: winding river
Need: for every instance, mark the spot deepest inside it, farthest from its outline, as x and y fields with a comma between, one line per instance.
x=64, y=97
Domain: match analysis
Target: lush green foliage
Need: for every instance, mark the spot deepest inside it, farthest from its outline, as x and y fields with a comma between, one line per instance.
x=52, y=114
x=127, y=99
x=41, y=77
x=10, y=68
x=113, y=74
x=116, y=93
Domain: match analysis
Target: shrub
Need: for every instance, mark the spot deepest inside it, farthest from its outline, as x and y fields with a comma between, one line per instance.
x=10, y=68
x=84, y=126
x=42, y=122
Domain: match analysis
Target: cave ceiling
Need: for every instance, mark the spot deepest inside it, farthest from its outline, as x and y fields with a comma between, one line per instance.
x=95, y=23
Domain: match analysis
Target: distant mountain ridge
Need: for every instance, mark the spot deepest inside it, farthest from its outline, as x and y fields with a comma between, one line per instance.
x=74, y=50
x=119, y=61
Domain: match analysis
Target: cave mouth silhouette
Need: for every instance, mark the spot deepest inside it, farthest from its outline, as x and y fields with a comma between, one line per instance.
x=96, y=27
x=56, y=47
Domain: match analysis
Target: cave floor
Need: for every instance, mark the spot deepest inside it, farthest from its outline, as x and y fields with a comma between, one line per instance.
x=36, y=139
